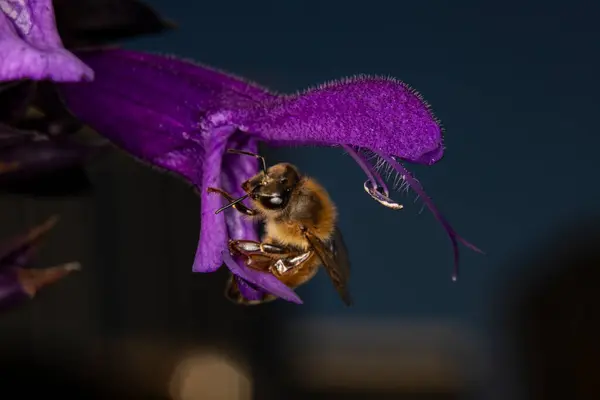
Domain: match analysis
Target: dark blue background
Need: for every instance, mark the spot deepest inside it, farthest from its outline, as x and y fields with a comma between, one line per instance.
x=515, y=85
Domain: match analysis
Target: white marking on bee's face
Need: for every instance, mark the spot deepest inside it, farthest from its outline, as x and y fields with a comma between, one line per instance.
x=276, y=200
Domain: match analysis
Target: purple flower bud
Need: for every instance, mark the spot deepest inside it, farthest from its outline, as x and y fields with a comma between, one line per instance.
x=33, y=157
x=18, y=282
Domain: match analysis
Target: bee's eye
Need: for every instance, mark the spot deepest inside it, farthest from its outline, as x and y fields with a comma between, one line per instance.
x=283, y=180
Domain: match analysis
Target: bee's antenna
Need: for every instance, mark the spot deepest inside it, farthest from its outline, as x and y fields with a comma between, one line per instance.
x=247, y=153
x=233, y=203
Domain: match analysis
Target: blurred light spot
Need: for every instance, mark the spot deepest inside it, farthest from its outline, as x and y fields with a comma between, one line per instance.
x=205, y=376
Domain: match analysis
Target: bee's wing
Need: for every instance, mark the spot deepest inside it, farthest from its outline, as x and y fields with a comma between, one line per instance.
x=335, y=260
x=340, y=251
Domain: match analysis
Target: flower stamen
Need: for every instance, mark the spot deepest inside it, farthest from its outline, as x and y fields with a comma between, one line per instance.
x=374, y=186
x=414, y=184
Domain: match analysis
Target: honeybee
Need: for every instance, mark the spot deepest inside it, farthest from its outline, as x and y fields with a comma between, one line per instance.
x=301, y=232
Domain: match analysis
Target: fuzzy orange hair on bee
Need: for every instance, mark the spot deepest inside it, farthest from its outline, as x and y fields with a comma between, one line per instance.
x=301, y=232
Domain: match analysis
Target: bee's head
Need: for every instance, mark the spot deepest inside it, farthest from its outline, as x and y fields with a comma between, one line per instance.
x=273, y=190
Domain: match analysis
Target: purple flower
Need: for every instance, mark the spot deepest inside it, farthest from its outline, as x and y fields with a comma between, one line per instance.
x=28, y=158
x=182, y=117
x=38, y=154
x=19, y=283
x=30, y=46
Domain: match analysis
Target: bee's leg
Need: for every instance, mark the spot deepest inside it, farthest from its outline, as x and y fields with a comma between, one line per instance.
x=247, y=153
x=250, y=248
x=238, y=206
x=289, y=265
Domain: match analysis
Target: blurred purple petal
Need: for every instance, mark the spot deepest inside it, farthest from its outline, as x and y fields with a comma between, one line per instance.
x=31, y=163
x=18, y=250
x=262, y=280
x=10, y=136
x=19, y=283
x=12, y=293
x=30, y=46
x=23, y=161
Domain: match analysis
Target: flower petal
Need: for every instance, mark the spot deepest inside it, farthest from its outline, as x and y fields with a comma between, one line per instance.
x=26, y=160
x=18, y=250
x=10, y=136
x=30, y=46
x=33, y=279
x=379, y=114
x=213, y=231
x=262, y=280
x=158, y=108
x=20, y=284
x=237, y=169
x=249, y=291
x=12, y=292
x=165, y=112
x=154, y=107
x=219, y=90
